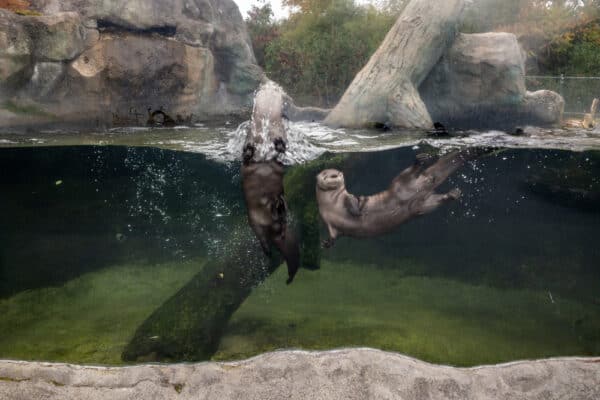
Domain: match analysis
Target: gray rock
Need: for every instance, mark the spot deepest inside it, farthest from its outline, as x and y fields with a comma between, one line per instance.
x=479, y=70
x=46, y=75
x=480, y=81
x=15, y=53
x=343, y=374
x=58, y=37
x=217, y=24
x=191, y=57
x=134, y=71
x=28, y=45
x=543, y=107
x=385, y=91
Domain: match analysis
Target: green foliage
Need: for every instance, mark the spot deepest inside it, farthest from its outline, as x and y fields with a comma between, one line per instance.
x=318, y=54
x=577, y=51
x=262, y=29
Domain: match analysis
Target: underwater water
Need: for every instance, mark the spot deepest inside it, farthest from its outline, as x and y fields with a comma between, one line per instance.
x=102, y=246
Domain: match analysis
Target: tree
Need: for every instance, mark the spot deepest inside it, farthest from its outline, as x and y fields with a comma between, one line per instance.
x=319, y=52
x=262, y=29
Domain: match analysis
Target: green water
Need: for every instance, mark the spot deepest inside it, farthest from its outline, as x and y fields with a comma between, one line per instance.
x=434, y=319
x=89, y=319
x=508, y=272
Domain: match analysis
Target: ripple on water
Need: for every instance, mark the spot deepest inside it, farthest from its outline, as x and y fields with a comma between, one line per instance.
x=307, y=140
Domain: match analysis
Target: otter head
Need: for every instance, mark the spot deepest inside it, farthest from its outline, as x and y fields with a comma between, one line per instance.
x=330, y=179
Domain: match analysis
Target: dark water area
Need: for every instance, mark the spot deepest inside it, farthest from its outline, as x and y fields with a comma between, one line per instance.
x=527, y=218
x=70, y=210
x=97, y=239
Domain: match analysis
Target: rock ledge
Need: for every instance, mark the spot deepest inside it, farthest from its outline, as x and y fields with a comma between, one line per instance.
x=339, y=374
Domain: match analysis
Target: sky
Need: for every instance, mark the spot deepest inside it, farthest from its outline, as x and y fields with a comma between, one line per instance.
x=278, y=9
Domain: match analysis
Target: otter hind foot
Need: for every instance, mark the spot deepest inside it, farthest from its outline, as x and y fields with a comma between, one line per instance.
x=424, y=158
x=454, y=194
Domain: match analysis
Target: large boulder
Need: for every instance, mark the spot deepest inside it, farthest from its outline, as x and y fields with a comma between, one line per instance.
x=111, y=60
x=57, y=37
x=385, y=91
x=480, y=81
x=130, y=72
x=15, y=52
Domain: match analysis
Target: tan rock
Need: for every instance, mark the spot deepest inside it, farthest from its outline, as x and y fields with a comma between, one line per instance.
x=355, y=374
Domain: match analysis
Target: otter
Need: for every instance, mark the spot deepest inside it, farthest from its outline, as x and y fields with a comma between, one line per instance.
x=262, y=183
x=410, y=194
x=266, y=135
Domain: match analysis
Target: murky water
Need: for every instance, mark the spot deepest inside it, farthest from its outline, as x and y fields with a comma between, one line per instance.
x=104, y=249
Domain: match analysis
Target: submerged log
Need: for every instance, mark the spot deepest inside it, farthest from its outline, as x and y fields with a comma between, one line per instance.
x=189, y=325
x=386, y=89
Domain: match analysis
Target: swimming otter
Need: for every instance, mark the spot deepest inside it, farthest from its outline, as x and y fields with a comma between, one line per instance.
x=410, y=194
x=267, y=211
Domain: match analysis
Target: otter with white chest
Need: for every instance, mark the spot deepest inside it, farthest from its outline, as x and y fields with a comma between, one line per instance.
x=411, y=194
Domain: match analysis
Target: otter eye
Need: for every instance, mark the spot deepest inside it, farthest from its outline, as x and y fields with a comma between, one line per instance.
x=334, y=176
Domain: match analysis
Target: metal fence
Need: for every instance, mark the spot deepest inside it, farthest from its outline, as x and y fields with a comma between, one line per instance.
x=578, y=92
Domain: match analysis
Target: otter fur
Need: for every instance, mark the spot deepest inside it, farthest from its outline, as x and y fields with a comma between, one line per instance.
x=411, y=194
x=262, y=183
x=266, y=135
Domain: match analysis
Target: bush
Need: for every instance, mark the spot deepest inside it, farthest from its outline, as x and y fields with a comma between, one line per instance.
x=318, y=54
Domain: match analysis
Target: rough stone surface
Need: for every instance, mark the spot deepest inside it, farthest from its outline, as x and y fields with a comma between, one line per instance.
x=45, y=77
x=479, y=70
x=386, y=89
x=57, y=37
x=480, y=80
x=544, y=107
x=344, y=374
x=162, y=73
x=15, y=51
x=190, y=57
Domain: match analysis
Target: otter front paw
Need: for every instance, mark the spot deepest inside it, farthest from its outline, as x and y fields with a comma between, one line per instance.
x=248, y=153
x=279, y=144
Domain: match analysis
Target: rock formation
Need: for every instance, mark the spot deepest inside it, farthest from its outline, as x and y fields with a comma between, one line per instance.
x=342, y=374
x=480, y=81
x=107, y=62
x=386, y=89
x=465, y=80
x=88, y=60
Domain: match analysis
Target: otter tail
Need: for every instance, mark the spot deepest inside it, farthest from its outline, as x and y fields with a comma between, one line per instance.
x=290, y=249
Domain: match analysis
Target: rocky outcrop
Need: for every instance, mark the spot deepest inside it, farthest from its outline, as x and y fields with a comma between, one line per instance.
x=466, y=80
x=480, y=81
x=386, y=89
x=91, y=60
x=343, y=374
